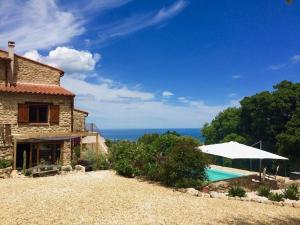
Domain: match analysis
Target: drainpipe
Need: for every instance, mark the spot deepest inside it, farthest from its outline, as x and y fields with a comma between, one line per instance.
x=11, y=55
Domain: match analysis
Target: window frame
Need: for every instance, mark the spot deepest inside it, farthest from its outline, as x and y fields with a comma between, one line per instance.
x=38, y=121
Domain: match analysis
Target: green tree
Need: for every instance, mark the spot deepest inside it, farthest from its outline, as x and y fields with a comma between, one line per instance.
x=225, y=123
x=234, y=137
x=264, y=115
x=289, y=141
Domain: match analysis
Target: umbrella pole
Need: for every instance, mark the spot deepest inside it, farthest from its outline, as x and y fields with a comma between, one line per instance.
x=260, y=161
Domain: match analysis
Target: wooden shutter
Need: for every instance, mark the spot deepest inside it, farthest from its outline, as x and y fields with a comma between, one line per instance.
x=54, y=114
x=23, y=113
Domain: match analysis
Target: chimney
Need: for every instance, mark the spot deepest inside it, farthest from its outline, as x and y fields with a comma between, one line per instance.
x=11, y=55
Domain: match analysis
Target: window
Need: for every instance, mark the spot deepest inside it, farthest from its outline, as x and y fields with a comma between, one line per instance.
x=38, y=113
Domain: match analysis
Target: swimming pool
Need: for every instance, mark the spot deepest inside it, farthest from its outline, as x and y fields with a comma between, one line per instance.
x=216, y=175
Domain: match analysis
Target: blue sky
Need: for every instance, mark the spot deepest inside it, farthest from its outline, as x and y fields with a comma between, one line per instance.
x=158, y=64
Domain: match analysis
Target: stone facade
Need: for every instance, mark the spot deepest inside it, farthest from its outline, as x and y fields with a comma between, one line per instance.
x=31, y=72
x=28, y=71
x=79, y=120
x=9, y=113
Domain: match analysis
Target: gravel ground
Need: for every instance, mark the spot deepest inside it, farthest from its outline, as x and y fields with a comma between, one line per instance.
x=105, y=198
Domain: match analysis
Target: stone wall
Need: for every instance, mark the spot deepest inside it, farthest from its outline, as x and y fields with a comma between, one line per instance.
x=66, y=153
x=79, y=120
x=28, y=71
x=6, y=152
x=9, y=113
x=5, y=173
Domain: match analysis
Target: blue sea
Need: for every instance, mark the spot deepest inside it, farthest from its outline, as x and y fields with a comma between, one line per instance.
x=134, y=134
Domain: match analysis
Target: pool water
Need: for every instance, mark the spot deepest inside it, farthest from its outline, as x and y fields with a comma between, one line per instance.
x=216, y=175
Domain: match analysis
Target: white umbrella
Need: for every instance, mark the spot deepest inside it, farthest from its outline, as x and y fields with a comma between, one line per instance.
x=234, y=150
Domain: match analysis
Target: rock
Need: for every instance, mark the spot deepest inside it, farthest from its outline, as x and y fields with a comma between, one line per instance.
x=80, y=168
x=290, y=204
x=264, y=200
x=192, y=191
x=205, y=189
x=14, y=174
x=231, y=198
x=67, y=168
x=278, y=203
x=214, y=194
x=183, y=190
x=296, y=204
x=5, y=172
x=206, y=195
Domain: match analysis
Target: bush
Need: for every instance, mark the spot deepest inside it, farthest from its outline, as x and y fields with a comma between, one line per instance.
x=183, y=162
x=4, y=163
x=76, y=150
x=236, y=191
x=123, y=156
x=263, y=191
x=292, y=192
x=168, y=158
x=189, y=182
x=277, y=197
x=96, y=161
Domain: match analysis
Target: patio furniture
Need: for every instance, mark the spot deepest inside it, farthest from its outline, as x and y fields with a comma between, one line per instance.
x=44, y=170
x=294, y=175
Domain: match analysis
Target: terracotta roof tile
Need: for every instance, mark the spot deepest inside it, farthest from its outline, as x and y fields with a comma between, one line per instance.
x=36, y=89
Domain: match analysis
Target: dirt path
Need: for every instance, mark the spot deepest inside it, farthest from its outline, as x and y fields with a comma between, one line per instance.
x=105, y=198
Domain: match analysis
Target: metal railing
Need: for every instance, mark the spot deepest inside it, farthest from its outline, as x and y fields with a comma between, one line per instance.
x=91, y=127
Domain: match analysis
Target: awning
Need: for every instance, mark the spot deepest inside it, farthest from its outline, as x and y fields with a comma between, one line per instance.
x=234, y=150
x=59, y=136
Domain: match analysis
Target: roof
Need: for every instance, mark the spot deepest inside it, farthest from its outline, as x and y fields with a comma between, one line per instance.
x=43, y=64
x=234, y=150
x=5, y=58
x=82, y=111
x=36, y=89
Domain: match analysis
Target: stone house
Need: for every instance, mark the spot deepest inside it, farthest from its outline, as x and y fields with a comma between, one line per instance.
x=37, y=115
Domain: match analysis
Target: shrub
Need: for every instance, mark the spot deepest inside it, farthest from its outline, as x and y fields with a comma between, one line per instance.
x=188, y=182
x=148, y=138
x=28, y=173
x=277, y=197
x=183, y=162
x=4, y=163
x=123, y=156
x=168, y=158
x=98, y=161
x=292, y=192
x=76, y=150
x=236, y=191
x=263, y=191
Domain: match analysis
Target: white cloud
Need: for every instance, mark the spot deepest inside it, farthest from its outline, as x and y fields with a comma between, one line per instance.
x=37, y=24
x=277, y=66
x=113, y=107
x=236, y=77
x=231, y=95
x=167, y=94
x=183, y=99
x=295, y=59
x=105, y=91
x=72, y=61
x=138, y=22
